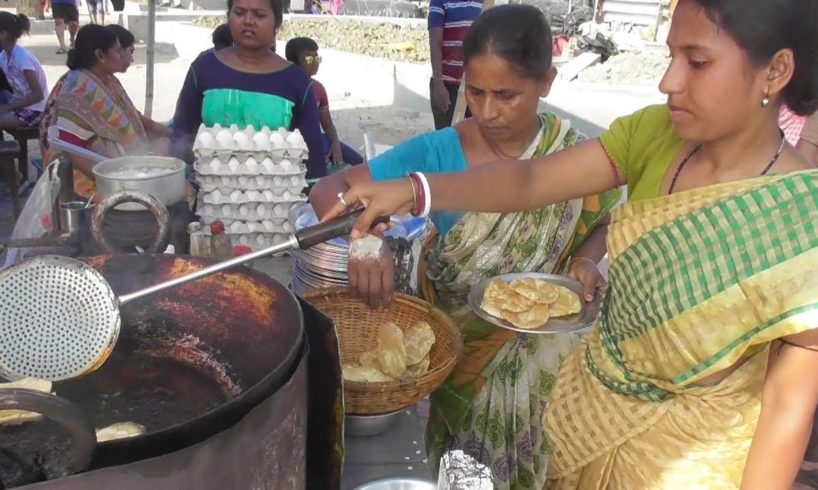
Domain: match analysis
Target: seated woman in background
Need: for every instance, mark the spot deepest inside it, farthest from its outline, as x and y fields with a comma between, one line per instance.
x=492, y=404
x=248, y=84
x=127, y=43
x=24, y=106
x=90, y=109
x=303, y=52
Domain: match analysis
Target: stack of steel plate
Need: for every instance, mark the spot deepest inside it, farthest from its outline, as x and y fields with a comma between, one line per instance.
x=325, y=264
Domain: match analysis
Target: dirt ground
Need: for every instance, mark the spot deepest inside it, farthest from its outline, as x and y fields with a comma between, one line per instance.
x=644, y=68
x=409, y=43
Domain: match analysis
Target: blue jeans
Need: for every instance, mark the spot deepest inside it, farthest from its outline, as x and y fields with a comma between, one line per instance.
x=350, y=156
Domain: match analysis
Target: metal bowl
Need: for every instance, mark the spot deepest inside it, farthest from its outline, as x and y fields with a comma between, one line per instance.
x=370, y=425
x=167, y=185
x=399, y=484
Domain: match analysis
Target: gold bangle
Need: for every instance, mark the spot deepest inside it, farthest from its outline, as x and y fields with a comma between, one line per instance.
x=573, y=259
x=414, y=194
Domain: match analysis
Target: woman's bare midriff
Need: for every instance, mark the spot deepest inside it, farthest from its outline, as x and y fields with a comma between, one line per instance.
x=718, y=377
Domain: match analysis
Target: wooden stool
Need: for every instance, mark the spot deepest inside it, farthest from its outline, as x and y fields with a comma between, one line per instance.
x=22, y=136
x=9, y=152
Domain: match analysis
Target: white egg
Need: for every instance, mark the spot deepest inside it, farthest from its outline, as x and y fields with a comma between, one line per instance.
x=252, y=165
x=261, y=211
x=239, y=137
x=251, y=195
x=243, y=240
x=205, y=140
x=267, y=225
x=287, y=166
x=252, y=226
x=261, y=142
x=243, y=180
x=216, y=195
x=235, y=196
x=261, y=181
x=234, y=165
x=266, y=132
x=296, y=140
x=280, y=210
x=250, y=131
x=224, y=139
x=278, y=181
x=215, y=165
x=207, y=209
x=268, y=195
x=244, y=143
x=295, y=180
x=216, y=128
x=277, y=141
x=287, y=226
x=234, y=128
x=227, y=210
x=260, y=240
x=269, y=166
x=244, y=210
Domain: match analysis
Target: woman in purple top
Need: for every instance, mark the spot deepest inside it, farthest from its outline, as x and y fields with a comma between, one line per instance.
x=248, y=84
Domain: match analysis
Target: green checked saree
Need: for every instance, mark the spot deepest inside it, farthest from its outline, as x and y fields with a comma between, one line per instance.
x=699, y=281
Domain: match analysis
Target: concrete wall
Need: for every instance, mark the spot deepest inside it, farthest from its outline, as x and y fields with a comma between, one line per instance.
x=411, y=86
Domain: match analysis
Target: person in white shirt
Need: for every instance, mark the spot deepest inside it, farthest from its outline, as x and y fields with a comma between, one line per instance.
x=24, y=106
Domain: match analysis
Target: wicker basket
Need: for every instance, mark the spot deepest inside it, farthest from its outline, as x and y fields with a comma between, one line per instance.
x=357, y=328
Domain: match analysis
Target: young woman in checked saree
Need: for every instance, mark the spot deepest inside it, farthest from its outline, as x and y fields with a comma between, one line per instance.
x=699, y=372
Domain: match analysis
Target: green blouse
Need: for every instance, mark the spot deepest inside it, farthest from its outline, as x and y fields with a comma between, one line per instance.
x=643, y=146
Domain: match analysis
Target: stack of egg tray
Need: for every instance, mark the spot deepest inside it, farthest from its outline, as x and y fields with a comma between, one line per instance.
x=250, y=180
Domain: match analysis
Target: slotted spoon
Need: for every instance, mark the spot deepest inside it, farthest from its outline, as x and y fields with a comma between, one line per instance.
x=59, y=317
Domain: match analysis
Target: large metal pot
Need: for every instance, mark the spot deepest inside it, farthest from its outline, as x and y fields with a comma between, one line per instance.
x=215, y=370
x=126, y=174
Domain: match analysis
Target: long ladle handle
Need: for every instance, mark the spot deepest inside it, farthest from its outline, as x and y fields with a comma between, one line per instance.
x=303, y=239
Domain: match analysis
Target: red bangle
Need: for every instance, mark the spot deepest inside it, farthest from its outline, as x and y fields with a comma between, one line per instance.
x=417, y=209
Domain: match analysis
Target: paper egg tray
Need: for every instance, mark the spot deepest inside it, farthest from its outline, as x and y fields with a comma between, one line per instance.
x=242, y=156
x=248, y=139
x=237, y=196
x=250, y=166
x=210, y=183
x=247, y=211
x=240, y=227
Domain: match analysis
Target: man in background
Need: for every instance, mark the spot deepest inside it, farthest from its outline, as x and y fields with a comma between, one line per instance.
x=65, y=12
x=449, y=21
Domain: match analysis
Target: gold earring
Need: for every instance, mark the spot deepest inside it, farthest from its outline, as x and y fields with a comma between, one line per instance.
x=765, y=102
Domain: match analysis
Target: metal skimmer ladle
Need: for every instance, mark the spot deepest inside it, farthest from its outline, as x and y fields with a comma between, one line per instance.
x=59, y=317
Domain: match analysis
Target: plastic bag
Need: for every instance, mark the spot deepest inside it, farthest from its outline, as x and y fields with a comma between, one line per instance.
x=35, y=219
